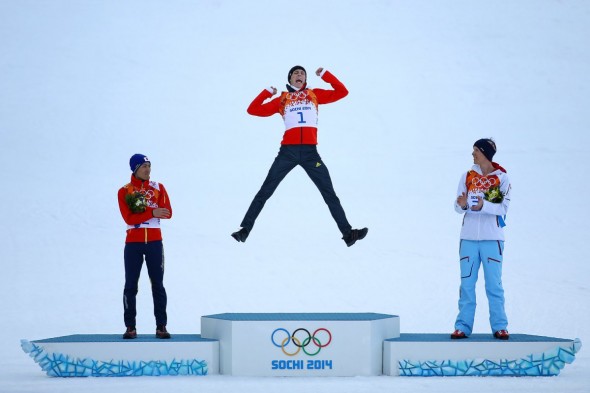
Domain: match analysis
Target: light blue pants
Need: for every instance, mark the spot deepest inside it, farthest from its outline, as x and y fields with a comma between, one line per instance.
x=473, y=254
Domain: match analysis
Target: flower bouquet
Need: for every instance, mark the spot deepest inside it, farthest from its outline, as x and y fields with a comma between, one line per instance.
x=494, y=195
x=136, y=202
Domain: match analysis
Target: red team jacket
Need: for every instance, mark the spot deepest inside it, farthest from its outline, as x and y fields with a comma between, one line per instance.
x=299, y=109
x=143, y=227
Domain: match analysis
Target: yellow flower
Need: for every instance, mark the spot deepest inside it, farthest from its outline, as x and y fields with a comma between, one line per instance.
x=494, y=195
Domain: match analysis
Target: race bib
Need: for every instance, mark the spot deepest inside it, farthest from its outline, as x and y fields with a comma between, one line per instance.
x=300, y=109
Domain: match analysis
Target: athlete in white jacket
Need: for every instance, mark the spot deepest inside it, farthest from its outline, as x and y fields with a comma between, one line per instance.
x=483, y=197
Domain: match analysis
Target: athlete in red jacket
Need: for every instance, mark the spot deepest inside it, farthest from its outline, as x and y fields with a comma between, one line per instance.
x=299, y=108
x=143, y=203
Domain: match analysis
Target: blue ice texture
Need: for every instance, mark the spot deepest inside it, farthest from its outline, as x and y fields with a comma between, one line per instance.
x=60, y=365
x=548, y=363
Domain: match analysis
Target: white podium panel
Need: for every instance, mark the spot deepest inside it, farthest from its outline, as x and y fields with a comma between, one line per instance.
x=300, y=344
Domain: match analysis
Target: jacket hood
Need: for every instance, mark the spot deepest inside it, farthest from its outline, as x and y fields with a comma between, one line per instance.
x=496, y=166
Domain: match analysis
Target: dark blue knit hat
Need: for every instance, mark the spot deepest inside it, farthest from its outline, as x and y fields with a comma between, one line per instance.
x=136, y=161
x=487, y=147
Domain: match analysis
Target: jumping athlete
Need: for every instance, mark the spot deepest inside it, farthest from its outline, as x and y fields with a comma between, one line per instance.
x=483, y=198
x=299, y=108
x=143, y=203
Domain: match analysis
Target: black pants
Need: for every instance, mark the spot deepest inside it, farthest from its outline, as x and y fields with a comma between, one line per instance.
x=288, y=158
x=154, y=260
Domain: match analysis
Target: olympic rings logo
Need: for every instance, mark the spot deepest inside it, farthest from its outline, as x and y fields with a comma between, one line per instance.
x=148, y=194
x=483, y=182
x=311, y=339
x=299, y=95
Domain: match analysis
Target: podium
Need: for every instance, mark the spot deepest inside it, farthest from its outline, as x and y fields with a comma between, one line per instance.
x=427, y=355
x=108, y=355
x=302, y=345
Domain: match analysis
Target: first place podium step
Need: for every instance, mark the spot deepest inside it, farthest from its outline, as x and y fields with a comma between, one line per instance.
x=301, y=344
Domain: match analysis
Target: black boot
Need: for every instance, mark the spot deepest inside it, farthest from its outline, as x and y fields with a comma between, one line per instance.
x=241, y=235
x=130, y=333
x=355, y=234
x=161, y=332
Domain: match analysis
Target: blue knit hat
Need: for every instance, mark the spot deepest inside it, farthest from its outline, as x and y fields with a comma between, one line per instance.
x=487, y=147
x=136, y=161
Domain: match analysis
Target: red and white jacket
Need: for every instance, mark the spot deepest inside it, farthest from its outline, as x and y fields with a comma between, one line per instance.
x=299, y=109
x=143, y=227
x=487, y=223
